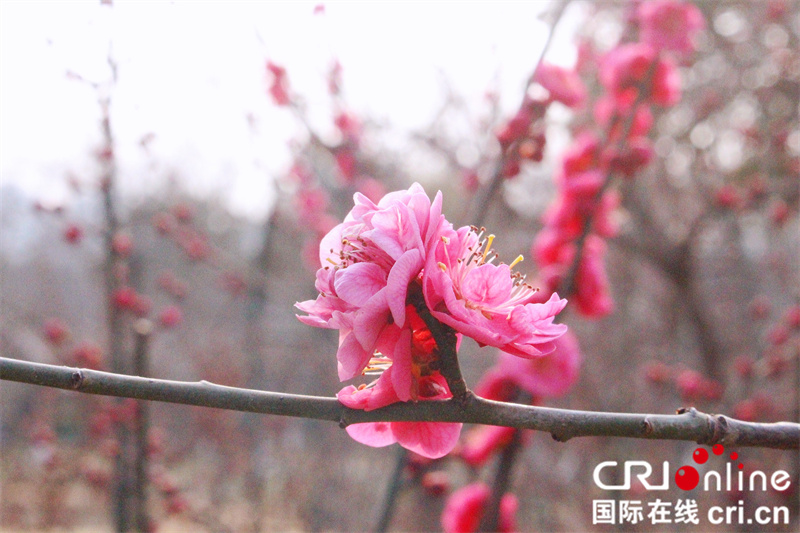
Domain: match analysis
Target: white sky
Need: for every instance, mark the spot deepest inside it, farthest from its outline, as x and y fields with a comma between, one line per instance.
x=191, y=72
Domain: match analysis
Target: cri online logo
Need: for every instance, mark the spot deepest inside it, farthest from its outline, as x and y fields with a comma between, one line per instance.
x=687, y=477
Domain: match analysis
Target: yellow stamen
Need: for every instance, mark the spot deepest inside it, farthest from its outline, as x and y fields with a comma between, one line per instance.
x=517, y=260
x=443, y=267
x=489, y=241
x=331, y=261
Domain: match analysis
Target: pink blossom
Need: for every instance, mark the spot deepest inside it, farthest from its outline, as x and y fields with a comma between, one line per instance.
x=611, y=116
x=625, y=69
x=564, y=85
x=429, y=439
x=669, y=24
x=465, y=507
x=122, y=244
x=497, y=385
x=55, y=330
x=279, y=84
x=549, y=376
x=666, y=85
x=347, y=163
x=592, y=296
x=517, y=127
x=578, y=202
x=349, y=126
x=488, y=302
x=689, y=384
x=171, y=316
x=73, y=233
x=483, y=441
x=634, y=155
x=367, y=264
x=582, y=155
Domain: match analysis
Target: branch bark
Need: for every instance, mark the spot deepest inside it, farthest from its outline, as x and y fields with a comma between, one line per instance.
x=563, y=424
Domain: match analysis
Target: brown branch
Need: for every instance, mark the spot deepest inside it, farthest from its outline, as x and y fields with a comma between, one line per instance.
x=563, y=424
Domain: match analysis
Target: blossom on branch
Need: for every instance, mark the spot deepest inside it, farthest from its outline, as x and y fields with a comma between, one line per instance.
x=368, y=263
x=492, y=304
x=386, y=267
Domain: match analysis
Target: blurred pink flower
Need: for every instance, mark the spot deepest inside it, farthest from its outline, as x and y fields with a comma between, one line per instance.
x=349, y=126
x=623, y=72
x=669, y=24
x=635, y=154
x=581, y=155
x=347, y=163
x=279, y=84
x=496, y=385
x=563, y=84
x=487, y=302
x=482, y=442
x=465, y=507
x=609, y=115
x=549, y=376
x=517, y=127
x=592, y=295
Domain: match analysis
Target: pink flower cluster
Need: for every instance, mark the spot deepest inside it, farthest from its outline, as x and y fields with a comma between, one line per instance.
x=383, y=268
x=636, y=76
x=522, y=137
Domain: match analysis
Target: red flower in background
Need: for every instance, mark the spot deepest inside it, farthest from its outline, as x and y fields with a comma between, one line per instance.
x=465, y=507
x=563, y=84
x=670, y=25
x=279, y=84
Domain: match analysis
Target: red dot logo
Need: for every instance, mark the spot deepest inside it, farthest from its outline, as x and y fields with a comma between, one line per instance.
x=687, y=477
x=700, y=456
x=734, y=456
x=718, y=449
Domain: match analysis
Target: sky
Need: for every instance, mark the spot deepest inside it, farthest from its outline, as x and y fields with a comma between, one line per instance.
x=191, y=73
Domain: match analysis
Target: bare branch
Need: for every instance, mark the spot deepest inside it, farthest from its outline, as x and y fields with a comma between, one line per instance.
x=563, y=424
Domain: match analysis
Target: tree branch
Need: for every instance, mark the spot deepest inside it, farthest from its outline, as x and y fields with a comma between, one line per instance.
x=563, y=424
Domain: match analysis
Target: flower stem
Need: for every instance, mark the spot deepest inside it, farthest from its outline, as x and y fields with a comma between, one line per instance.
x=446, y=342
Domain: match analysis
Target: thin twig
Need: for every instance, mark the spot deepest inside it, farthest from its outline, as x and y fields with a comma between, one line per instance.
x=142, y=329
x=484, y=197
x=563, y=424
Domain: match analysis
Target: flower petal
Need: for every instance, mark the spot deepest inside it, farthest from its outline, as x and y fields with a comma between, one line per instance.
x=429, y=439
x=359, y=282
x=404, y=270
x=375, y=434
x=352, y=358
